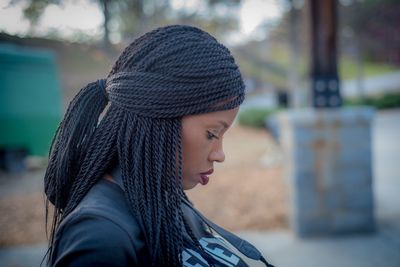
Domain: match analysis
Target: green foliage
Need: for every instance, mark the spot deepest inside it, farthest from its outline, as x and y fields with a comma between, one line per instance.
x=35, y=9
x=256, y=62
x=348, y=68
x=255, y=117
x=385, y=101
x=370, y=24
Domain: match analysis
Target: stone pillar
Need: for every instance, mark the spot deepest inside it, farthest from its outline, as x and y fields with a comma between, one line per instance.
x=329, y=169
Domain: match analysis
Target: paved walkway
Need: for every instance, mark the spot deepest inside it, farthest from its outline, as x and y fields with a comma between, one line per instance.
x=282, y=249
x=374, y=85
x=23, y=256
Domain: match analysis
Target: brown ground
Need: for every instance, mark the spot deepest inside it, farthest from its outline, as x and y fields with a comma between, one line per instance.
x=242, y=193
x=22, y=220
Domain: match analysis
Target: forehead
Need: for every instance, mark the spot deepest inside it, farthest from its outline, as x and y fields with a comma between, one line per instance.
x=223, y=117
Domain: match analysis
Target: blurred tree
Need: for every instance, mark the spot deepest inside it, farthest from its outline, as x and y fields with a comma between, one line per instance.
x=218, y=17
x=129, y=18
x=374, y=25
x=35, y=8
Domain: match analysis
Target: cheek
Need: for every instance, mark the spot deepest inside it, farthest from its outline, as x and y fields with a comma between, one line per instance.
x=190, y=150
x=194, y=153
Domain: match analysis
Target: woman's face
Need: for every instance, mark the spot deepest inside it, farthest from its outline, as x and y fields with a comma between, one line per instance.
x=202, y=137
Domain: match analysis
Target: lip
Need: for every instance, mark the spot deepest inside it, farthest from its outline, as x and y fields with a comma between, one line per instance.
x=204, y=177
x=210, y=171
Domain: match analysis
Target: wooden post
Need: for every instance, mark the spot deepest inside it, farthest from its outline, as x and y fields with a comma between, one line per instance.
x=324, y=75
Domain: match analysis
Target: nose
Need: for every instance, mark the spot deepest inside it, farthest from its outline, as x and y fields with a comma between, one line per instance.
x=217, y=155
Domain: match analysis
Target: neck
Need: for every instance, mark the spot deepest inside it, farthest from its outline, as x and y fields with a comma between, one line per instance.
x=116, y=176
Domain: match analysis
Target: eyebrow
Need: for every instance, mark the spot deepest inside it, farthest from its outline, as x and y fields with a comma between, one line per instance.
x=226, y=126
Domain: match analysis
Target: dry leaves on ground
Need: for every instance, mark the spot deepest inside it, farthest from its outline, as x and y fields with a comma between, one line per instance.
x=22, y=219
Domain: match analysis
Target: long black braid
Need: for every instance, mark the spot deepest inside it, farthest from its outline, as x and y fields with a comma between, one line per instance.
x=162, y=76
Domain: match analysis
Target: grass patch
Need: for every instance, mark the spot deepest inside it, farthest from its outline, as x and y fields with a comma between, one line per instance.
x=255, y=117
x=348, y=69
x=385, y=101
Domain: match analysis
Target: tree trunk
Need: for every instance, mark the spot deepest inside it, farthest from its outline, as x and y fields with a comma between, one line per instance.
x=294, y=53
x=324, y=75
x=106, y=13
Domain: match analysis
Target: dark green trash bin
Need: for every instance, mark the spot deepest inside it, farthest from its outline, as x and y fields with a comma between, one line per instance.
x=30, y=103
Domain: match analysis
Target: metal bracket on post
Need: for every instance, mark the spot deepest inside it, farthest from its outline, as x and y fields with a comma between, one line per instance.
x=326, y=93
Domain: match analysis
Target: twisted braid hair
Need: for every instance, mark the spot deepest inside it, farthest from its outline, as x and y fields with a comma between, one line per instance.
x=165, y=74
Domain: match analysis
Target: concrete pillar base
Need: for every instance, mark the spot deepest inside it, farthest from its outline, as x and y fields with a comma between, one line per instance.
x=329, y=169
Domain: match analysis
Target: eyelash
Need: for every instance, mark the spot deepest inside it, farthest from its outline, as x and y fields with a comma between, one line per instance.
x=210, y=135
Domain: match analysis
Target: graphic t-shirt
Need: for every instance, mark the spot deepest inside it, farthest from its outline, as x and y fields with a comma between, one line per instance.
x=217, y=249
x=213, y=244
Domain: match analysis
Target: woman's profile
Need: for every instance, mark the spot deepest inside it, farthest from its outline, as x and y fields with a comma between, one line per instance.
x=130, y=145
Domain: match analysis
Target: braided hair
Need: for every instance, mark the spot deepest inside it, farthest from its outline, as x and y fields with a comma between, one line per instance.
x=168, y=73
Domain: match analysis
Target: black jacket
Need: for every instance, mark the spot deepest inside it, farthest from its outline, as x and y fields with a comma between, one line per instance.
x=101, y=231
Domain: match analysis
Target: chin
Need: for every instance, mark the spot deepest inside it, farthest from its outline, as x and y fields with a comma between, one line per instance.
x=190, y=185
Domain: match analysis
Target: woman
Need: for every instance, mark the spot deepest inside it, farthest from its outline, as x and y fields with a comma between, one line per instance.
x=117, y=183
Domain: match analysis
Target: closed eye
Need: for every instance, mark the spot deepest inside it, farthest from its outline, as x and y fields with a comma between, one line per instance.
x=211, y=136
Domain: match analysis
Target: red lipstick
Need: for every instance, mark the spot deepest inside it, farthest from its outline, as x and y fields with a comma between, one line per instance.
x=204, y=177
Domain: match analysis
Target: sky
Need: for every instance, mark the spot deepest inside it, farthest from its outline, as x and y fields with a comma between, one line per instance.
x=86, y=17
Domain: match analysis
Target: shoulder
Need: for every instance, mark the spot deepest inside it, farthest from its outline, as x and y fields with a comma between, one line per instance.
x=92, y=240
x=101, y=231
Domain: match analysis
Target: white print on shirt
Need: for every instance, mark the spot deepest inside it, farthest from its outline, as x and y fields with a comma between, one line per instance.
x=217, y=250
